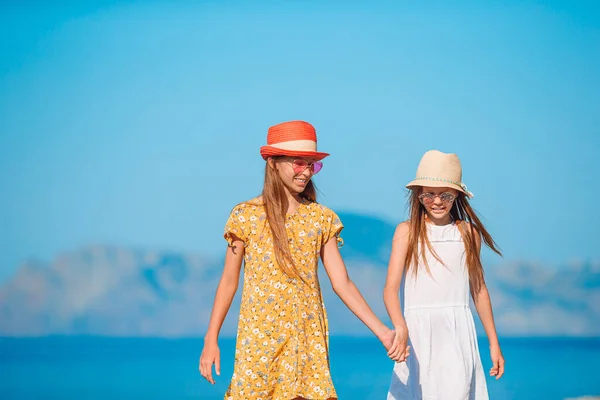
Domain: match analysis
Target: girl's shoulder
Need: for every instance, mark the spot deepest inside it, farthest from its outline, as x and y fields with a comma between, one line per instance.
x=403, y=225
x=254, y=204
x=402, y=230
x=461, y=224
x=466, y=226
x=319, y=208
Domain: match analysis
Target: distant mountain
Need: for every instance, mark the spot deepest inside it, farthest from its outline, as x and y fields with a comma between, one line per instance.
x=110, y=290
x=546, y=300
x=366, y=237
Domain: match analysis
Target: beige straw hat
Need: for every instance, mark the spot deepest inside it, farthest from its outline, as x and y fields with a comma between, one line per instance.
x=438, y=169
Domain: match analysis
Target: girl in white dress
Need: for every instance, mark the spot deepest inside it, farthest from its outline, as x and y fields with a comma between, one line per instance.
x=437, y=253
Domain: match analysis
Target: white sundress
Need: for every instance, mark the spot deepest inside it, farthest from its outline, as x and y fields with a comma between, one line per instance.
x=444, y=362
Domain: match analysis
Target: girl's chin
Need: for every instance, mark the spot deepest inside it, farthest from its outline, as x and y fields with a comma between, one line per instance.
x=438, y=214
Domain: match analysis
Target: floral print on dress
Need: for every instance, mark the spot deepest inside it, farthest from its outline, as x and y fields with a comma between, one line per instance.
x=282, y=346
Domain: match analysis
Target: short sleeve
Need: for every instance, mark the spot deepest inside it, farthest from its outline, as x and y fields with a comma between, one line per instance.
x=332, y=227
x=237, y=224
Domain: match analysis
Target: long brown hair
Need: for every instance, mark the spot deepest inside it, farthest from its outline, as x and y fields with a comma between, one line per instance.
x=276, y=204
x=468, y=224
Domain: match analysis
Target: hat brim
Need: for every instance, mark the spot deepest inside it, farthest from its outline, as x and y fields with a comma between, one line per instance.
x=424, y=182
x=269, y=151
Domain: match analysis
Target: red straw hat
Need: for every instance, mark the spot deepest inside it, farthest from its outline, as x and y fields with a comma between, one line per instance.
x=292, y=138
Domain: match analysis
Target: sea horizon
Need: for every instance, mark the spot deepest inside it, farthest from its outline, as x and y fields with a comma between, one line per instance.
x=100, y=367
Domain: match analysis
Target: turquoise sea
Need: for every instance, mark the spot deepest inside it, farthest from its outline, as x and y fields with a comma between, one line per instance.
x=150, y=368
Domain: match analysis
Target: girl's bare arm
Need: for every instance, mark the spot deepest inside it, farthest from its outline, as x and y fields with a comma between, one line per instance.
x=225, y=293
x=349, y=293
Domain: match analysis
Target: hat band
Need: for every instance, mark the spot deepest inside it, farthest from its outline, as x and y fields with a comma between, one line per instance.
x=428, y=178
x=296, y=145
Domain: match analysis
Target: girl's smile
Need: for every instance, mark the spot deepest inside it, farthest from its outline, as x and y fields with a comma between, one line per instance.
x=438, y=202
x=295, y=173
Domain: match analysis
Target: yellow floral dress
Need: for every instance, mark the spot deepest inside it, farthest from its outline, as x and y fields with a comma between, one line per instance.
x=282, y=347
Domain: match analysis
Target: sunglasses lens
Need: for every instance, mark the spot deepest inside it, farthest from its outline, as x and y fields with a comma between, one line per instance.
x=447, y=197
x=426, y=199
x=316, y=167
x=300, y=165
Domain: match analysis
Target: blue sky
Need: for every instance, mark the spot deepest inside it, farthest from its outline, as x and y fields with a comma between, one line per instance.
x=139, y=123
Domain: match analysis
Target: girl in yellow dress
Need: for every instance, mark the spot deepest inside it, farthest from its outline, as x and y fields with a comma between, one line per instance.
x=282, y=349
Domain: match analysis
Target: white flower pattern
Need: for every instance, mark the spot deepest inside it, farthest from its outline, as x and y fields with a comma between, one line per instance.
x=282, y=351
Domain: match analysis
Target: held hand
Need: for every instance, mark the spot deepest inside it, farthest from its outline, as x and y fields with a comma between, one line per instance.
x=210, y=355
x=497, y=362
x=388, y=339
x=399, y=350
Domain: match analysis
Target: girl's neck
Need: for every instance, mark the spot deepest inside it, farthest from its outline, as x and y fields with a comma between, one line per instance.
x=447, y=220
x=294, y=201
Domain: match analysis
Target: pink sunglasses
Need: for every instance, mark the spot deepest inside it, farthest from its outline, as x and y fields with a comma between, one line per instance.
x=299, y=165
